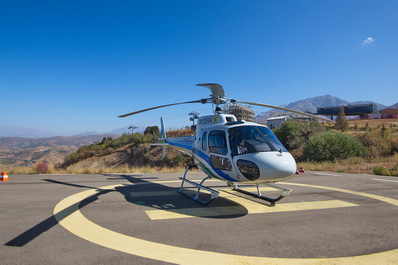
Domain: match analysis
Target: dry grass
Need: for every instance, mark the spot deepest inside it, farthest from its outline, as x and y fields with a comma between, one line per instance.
x=122, y=169
x=354, y=165
x=375, y=123
x=179, y=133
x=17, y=170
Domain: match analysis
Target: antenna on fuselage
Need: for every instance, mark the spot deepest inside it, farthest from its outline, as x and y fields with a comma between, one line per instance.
x=132, y=127
x=194, y=116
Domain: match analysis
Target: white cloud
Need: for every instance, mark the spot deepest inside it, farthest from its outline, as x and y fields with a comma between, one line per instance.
x=367, y=41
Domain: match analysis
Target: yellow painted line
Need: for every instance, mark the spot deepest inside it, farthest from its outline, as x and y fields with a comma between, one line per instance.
x=68, y=215
x=249, y=207
x=372, y=196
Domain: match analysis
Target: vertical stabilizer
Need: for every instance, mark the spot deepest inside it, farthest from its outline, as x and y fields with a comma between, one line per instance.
x=163, y=136
x=162, y=128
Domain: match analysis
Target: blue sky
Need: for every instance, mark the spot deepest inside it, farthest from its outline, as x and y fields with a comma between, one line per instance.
x=73, y=66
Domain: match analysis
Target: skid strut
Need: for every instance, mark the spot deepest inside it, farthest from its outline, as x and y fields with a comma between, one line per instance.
x=285, y=192
x=198, y=186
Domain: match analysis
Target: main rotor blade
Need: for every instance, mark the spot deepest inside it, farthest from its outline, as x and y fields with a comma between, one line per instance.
x=216, y=89
x=281, y=108
x=158, y=107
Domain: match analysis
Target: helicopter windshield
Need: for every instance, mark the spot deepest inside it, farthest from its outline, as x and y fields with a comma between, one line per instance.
x=253, y=139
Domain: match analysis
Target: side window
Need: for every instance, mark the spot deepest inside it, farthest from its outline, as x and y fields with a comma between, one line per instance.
x=222, y=163
x=204, y=141
x=218, y=143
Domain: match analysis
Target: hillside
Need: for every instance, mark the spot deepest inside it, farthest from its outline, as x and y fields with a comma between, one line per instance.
x=25, y=157
x=132, y=150
x=366, y=145
x=24, y=151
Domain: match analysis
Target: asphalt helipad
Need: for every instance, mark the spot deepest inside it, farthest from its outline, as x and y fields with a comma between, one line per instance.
x=329, y=218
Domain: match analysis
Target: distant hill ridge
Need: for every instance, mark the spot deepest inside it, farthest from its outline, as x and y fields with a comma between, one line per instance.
x=13, y=143
x=395, y=106
x=311, y=105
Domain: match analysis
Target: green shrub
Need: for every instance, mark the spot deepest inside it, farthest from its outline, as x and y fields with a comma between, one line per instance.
x=331, y=146
x=293, y=134
x=310, y=129
x=381, y=171
x=289, y=134
x=376, y=145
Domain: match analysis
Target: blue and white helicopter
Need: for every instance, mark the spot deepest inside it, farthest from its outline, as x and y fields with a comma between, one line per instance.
x=237, y=152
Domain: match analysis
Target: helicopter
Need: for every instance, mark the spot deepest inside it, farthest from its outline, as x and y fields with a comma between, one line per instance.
x=236, y=152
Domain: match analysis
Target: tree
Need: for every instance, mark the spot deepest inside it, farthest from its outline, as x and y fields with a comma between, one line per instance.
x=384, y=131
x=356, y=127
x=312, y=128
x=290, y=134
x=152, y=130
x=341, y=122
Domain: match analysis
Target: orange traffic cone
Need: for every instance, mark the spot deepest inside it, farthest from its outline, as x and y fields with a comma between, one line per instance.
x=301, y=170
x=4, y=176
x=297, y=172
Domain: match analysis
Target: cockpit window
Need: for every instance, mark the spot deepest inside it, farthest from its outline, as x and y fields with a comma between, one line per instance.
x=253, y=139
x=217, y=142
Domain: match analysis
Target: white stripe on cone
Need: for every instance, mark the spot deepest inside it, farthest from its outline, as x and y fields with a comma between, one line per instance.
x=4, y=176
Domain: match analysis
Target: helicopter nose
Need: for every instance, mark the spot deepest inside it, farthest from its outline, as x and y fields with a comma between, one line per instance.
x=272, y=165
x=275, y=164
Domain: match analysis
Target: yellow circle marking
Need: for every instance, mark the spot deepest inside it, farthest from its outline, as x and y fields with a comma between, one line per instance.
x=68, y=215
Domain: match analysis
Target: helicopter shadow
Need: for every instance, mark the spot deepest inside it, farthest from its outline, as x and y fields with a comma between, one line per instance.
x=162, y=197
x=137, y=193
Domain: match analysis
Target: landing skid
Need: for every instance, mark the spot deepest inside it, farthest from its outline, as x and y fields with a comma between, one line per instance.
x=198, y=187
x=285, y=192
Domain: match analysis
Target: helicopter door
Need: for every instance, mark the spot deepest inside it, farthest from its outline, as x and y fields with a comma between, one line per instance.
x=219, y=152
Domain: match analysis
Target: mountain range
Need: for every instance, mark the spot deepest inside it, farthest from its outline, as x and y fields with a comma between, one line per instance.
x=395, y=106
x=310, y=105
x=8, y=131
